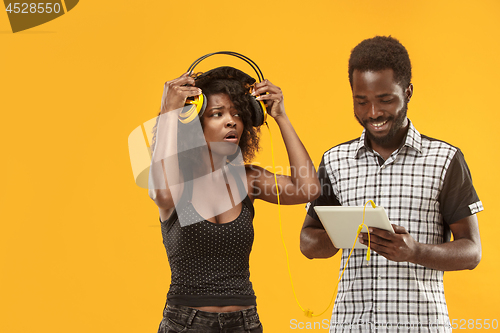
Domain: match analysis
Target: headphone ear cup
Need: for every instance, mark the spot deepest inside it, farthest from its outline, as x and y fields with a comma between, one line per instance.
x=203, y=105
x=259, y=112
x=193, y=108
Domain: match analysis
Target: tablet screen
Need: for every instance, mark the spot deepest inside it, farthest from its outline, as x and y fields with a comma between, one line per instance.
x=342, y=222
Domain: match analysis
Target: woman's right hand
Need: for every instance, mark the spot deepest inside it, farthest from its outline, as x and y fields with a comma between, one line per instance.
x=176, y=91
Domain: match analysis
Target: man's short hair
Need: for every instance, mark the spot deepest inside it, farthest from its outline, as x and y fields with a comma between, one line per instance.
x=379, y=53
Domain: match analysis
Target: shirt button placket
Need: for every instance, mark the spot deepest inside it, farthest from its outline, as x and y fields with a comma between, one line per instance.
x=382, y=186
x=381, y=293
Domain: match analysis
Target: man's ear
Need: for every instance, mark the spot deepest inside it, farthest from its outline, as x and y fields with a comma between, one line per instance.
x=409, y=92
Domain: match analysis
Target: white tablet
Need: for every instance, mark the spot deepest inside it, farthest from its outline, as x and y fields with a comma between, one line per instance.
x=342, y=222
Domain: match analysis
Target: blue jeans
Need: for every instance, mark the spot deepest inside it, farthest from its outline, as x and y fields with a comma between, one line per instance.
x=178, y=318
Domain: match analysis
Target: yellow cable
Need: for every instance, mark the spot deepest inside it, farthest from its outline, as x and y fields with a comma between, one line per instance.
x=363, y=224
x=348, y=257
x=279, y=216
x=307, y=312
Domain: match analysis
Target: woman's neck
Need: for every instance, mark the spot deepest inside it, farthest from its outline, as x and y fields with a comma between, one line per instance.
x=209, y=163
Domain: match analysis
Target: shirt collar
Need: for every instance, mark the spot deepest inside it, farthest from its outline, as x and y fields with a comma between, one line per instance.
x=413, y=140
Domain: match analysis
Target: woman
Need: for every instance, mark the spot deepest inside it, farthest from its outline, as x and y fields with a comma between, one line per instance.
x=196, y=177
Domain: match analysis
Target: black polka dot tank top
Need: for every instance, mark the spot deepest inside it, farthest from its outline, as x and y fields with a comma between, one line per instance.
x=209, y=262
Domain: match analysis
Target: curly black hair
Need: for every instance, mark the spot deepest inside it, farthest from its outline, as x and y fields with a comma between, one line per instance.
x=236, y=84
x=379, y=53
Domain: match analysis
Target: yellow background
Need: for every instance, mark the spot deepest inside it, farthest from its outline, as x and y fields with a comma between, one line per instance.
x=80, y=243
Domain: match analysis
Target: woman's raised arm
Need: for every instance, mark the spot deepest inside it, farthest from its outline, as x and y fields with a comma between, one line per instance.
x=302, y=185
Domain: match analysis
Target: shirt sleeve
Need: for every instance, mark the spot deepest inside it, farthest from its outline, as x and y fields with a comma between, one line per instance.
x=327, y=197
x=458, y=198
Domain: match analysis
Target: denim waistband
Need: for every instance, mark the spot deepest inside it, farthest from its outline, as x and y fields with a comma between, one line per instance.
x=248, y=317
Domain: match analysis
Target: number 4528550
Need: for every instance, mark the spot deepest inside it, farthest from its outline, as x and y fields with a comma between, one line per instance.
x=32, y=8
x=464, y=324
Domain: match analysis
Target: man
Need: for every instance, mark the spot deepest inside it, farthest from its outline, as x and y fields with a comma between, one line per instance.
x=424, y=185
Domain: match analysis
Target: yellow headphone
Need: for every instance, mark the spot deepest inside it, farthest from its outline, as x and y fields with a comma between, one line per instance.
x=196, y=106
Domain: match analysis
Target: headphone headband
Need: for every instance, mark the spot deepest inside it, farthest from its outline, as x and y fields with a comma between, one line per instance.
x=197, y=105
x=234, y=54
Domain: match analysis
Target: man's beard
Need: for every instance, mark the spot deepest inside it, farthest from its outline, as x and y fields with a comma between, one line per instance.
x=396, y=127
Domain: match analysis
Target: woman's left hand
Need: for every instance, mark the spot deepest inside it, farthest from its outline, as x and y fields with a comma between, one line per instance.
x=273, y=99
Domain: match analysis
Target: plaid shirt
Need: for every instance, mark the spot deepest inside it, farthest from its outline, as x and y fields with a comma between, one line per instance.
x=424, y=186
